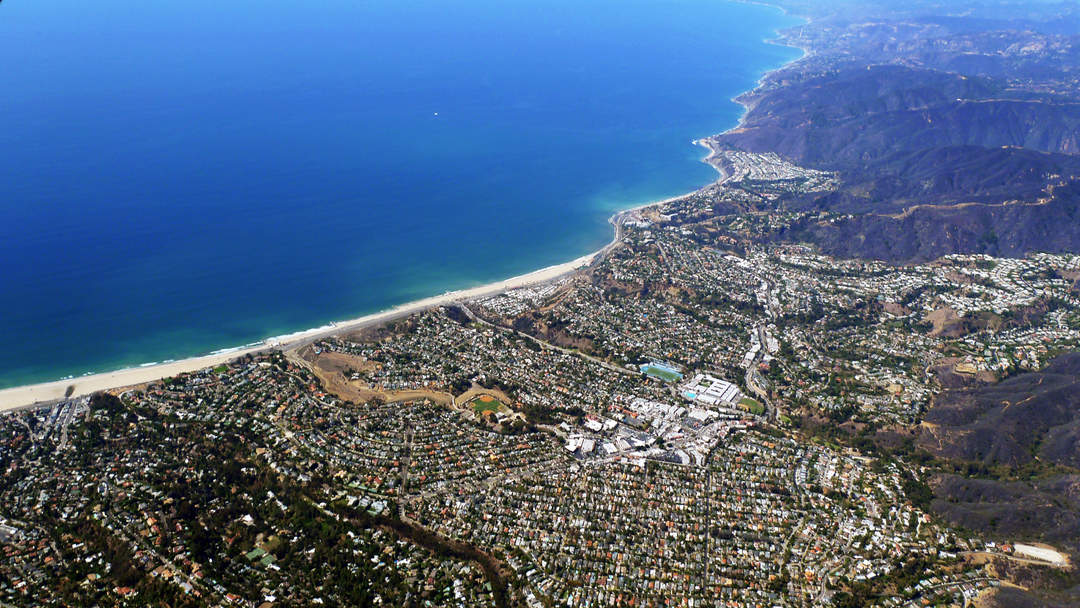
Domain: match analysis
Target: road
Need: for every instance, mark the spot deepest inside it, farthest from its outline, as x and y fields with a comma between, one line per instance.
x=751, y=372
x=548, y=345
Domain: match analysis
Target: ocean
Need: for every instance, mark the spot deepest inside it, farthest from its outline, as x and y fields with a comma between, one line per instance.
x=181, y=177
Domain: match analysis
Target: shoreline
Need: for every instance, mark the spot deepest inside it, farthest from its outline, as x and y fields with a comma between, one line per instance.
x=32, y=395
x=45, y=393
x=742, y=98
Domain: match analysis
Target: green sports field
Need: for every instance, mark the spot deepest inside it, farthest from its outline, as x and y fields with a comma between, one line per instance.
x=752, y=406
x=486, y=403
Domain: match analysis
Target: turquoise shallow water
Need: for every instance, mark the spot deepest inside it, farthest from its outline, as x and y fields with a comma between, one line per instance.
x=180, y=177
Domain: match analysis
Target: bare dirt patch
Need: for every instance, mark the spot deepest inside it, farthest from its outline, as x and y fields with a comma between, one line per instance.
x=895, y=309
x=342, y=363
x=479, y=391
x=440, y=397
x=945, y=321
x=335, y=371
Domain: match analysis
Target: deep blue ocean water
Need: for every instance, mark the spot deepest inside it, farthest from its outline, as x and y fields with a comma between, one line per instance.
x=180, y=177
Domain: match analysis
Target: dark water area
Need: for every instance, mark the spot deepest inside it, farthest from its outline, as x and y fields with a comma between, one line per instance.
x=181, y=177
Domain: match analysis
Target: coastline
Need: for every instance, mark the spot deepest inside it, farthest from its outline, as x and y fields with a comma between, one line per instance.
x=48, y=392
x=44, y=393
x=779, y=40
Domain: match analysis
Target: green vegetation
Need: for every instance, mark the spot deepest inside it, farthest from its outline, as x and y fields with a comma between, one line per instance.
x=752, y=406
x=486, y=403
x=917, y=491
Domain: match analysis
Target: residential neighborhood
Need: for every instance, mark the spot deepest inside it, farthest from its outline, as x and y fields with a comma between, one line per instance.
x=633, y=435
